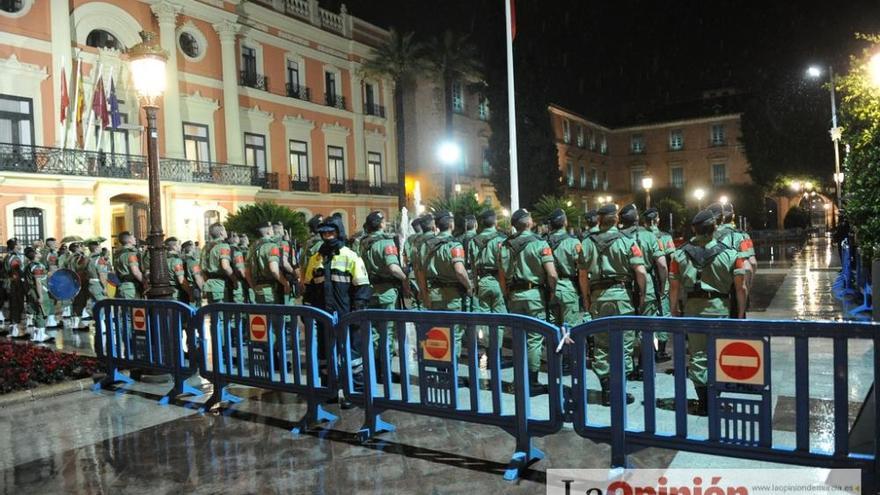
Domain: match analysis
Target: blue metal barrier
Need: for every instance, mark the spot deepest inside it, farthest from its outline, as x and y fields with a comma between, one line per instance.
x=436, y=372
x=269, y=346
x=146, y=335
x=739, y=414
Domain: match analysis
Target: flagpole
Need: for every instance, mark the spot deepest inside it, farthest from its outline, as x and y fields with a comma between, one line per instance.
x=511, y=111
x=88, y=129
x=72, y=116
x=62, y=124
x=103, y=124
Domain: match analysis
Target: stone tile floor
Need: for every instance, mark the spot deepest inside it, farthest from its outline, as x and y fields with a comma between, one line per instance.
x=123, y=442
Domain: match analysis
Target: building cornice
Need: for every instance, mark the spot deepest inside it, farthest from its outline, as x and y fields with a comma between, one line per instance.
x=681, y=122
x=212, y=11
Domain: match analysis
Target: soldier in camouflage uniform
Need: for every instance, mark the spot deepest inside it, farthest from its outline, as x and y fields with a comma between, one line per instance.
x=652, y=222
x=527, y=275
x=78, y=261
x=35, y=275
x=177, y=271
x=97, y=271
x=567, y=253
x=728, y=234
x=429, y=231
x=128, y=268
x=14, y=268
x=50, y=259
x=289, y=265
x=240, y=289
x=701, y=274
x=591, y=220
x=407, y=252
x=470, y=230
x=193, y=274
x=216, y=263
x=264, y=268
x=313, y=243
x=482, y=254
x=616, y=273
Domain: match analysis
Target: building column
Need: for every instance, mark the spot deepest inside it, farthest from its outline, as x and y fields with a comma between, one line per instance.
x=390, y=131
x=59, y=17
x=166, y=12
x=357, y=108
x=234, y=138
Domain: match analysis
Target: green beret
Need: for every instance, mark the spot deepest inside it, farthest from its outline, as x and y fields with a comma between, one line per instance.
x=591, y=215
x=609, y=209
x=651, y=213
x=519, y=215
x=630, y=212
x=702, y=217
x=440, y=215
x=716, y=209
x=556, y=214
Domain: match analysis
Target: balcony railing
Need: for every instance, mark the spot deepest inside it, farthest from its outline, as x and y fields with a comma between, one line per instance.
x=385, y=189
x=298, y=92
x=333, y=100
x=373, y=109
x=254, y=80
x=309, y=184
x=57, y=161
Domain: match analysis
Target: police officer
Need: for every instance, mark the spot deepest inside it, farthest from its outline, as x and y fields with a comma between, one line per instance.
x=616, y=273
x=482, y=254
x=240, y=288
x=177, y=271
x=381, y=259
x=264, y=268
x=216, y=262
x=591, y=220
x=567, y=252
x=652, y=222
x=528, y=278
x=701, y=274
x=14, y=265
x=128, y=268
x=193, y=274
x=35, y=275
x=97, y=271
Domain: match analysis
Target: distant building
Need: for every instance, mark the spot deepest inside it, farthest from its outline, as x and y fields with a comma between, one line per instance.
x=696, y=151
x=425, y=124
x=264, y=102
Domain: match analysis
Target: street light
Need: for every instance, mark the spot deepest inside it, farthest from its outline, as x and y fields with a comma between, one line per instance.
x=874, y=69
x=723, y=200
x=449, y=153
x=815, y=72
x=647, y=184
x=699, y=194
x=147, y=64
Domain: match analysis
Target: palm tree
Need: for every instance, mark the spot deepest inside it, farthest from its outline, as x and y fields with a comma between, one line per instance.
x=452, y=58
x=400, y=59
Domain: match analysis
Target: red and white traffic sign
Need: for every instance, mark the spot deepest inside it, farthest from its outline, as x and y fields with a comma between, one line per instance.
x=437, y=344
x=739, y=361
x=139, y=319
x=259, y=331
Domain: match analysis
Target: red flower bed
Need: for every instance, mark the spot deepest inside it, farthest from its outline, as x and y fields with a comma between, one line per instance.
x=24, y=366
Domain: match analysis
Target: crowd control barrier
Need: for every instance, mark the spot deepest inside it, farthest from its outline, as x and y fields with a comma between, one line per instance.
x=739, y=389
x=146, y=335
x=269, y=346
x=426, y=354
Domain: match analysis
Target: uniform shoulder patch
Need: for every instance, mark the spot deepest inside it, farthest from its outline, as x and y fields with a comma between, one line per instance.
x=286, y=248
x=745, y=245
x=225, y=251
x=635, y=250
x=178, y=267
x=132, y=258
x=670, y=244
x=547, y=251
x=660, y=244
x=391, y=249
x=674, y=268
x=739, y=263
x=274, y=252
x=457, y=252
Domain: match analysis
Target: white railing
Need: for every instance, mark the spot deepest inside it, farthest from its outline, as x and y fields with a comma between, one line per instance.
x=332, y=22
x=298, y=8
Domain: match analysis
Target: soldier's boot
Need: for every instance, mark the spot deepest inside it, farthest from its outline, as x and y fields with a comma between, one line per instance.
x=40, y=336
x=51, y=322
x=85, y=314
x=536, y=388
x=606, y=394
x=18, y=331
x=65, y=311
x=74, y=324
x=661, y=356
x=702, y=407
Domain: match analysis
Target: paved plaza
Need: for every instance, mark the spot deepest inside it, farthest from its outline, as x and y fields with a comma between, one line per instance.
x=123, y=442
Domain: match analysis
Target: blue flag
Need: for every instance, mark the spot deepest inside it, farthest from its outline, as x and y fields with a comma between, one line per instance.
x=115, y=119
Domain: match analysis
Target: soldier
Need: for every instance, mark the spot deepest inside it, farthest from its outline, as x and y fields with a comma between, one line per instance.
x=408, y=248
x=50, y=259
x=264, y=268
x=482, y=255
x=652, y=222
x=616, y=274
x=193, y=275
x=78, y=262
x=567, y=253
x=216, y=262
x=382, y=262
x=240, y=289
x=528, y=278
x=289, y=265
x=96, y=270
x=446, y=280
x=35, y=275
x=470, y=230
x=701, y=274
x=128, y=268
x=429, y=231
x=177, y=271
x=654, y=254
x=591, y=219
x=730, y=236
x=314, y=242
x=14, y=265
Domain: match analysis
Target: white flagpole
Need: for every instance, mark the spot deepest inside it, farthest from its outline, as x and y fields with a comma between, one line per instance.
x=87, y=132
x=71, y=118
x=511, y=113
x=63, y=124
x=104, y=124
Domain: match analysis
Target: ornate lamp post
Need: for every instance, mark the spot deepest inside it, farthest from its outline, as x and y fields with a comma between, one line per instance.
x=647, y=184
x=147, y=64
x=699, y=194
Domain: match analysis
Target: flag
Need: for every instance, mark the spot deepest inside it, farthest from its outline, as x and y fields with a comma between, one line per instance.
x=99, y=104
x=80, y=106
x=115, y=118
x=65, y=98
x=512, y=19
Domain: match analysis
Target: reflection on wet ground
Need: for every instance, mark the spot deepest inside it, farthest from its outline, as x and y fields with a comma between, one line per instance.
x=123, y=442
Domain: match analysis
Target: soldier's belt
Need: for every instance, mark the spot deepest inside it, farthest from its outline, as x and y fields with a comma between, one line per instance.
x=607, y=284
x=444, y=285
x=706, y=294
x=521, y=285
x=94, y=280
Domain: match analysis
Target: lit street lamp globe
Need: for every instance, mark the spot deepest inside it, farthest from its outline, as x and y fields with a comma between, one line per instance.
x=647, y=182
x=814, y=71
x=699, y=194
x=147, y=63
x=724, y=200
x=449, y=153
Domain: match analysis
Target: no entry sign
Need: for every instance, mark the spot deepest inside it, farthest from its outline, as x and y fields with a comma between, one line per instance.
x=739, y=361
x=139, y=319
x=437, y=345
x=258, y=328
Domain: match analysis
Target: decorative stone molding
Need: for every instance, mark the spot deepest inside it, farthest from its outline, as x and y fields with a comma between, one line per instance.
x=100, y=15
x=190, y=28
x=15, y=68
x=227, y=31
x=257, y=115
x=203, y=101
x=295, y=123
x=25, y=8
x=336, y=129
x=166, y=12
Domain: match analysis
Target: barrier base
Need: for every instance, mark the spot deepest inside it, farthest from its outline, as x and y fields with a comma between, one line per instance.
x=374, y=427
x=315, y=415
x=520, y=460
x=221, y=394
x=111, y=378
x=184, y=389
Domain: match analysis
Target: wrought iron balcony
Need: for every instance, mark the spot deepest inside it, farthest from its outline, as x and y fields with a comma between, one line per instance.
x=374, y=109
x=298, y=92
x=334, y=100
x=305, y=183
x=254, y=80
x=385, y=189
x=336, y=184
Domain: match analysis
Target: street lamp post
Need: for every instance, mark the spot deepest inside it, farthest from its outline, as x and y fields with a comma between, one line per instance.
x=147, y=61
x=835, y=131
x=647, y=184
x=699, y=194
x=449, y=153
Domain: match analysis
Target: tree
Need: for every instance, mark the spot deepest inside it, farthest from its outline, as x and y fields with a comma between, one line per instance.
x=400, y=59
x=548, y=204
x=460, y=205
x=860, y=117
x=452, y=58
x=249, y=217
x=667, y=206
x=796, y=218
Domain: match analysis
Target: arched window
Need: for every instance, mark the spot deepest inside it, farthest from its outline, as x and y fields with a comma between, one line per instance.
x=99, y=38
x=12, y=6
x=211, y=217
x=27, y=225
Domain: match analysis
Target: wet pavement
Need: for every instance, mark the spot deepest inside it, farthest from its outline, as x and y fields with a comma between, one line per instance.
x=124, y=442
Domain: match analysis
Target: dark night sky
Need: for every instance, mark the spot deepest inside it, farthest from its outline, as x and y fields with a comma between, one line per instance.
x=613, y=59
